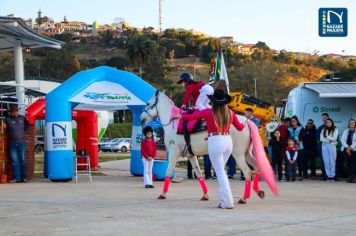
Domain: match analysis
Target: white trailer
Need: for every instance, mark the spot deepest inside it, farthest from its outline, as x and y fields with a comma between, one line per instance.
x=311, y=100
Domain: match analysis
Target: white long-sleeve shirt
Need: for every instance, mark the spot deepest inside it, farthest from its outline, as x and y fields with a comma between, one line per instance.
x=330, y=138
x=203, y=100
x=344, y=139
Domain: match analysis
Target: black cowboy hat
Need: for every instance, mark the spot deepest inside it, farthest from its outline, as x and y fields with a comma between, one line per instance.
x=220, y=97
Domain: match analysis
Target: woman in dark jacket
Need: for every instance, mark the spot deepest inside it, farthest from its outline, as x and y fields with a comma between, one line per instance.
x=310, y=147
x=277, y=145
x=296, y=131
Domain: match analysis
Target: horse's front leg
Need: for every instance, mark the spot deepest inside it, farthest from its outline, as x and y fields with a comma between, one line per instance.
x=171, y=165
x=195, y=164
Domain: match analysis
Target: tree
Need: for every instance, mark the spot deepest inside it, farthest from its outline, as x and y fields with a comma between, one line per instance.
x=285, y=57
x=119, y=62
x=262, y=46
x=65, y=37
x=209, y=49
x=106, y=37
x=176, y=45
x=33, y=67
x=6, y=66
x=336, y=65
x=60, y=65
x=140, y=51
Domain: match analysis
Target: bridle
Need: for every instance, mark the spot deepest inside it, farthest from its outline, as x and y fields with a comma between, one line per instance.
x=154, y=106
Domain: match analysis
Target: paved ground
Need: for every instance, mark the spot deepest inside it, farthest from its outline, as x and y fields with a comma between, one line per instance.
x=119, y=205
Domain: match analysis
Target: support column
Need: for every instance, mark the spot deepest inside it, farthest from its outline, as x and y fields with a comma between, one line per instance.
x=136, y=166
x=19, y=77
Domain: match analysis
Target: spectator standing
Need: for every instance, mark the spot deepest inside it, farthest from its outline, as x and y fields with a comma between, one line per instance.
x=310, y=147
x=328, y=138
x=297, y=132
x=231, y=167
x=283, y=129
x=148, y=149
x=278, y=147
x=324, y=117
x=348, y=141
x=16, y=125
x=190, y=171
x=249, y=115
x=207, y=168
x=291, y=159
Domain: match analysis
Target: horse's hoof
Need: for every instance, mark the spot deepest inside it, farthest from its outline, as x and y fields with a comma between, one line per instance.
x=261, y=194
x=161, y=197
x=242, y=201
x=204, y=198
x=177, y=179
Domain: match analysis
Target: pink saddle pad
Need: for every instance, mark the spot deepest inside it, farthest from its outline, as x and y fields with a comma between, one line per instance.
x=191, y=126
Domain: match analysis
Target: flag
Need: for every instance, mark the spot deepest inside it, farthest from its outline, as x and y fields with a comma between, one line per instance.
x=223, y=73
x=218, y=70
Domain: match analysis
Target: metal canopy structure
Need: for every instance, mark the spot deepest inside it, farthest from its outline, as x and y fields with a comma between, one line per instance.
x=16, y=35
x=333, y=89
x=15, y=29
x=9, y=90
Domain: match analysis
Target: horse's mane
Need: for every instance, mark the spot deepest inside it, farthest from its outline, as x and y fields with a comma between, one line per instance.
x=175, y=110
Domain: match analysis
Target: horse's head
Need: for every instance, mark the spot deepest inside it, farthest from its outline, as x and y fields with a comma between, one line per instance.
x=151, y=110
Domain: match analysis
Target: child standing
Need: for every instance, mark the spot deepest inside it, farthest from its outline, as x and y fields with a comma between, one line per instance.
x=148, y=149
x=277, y=146
x=291, y=159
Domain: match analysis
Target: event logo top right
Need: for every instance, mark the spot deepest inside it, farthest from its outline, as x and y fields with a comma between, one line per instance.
x=332, y=22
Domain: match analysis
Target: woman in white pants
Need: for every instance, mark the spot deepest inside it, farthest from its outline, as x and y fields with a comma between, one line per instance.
x=219, y=119
x=328, y=138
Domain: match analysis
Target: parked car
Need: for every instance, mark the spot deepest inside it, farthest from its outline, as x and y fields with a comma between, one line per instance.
x=39, y=143
x=117, y=144
x=103, y=141
x=123, y=146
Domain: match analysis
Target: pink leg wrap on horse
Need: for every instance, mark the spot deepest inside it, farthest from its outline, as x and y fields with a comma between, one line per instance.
x=256, y=183
x=167, y=181
x=203, y=185
x=247, y=189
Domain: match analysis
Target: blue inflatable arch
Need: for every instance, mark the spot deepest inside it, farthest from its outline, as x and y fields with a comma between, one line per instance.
x=134, y=94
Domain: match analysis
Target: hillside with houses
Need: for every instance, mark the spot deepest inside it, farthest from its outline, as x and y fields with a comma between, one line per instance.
x=158, y=57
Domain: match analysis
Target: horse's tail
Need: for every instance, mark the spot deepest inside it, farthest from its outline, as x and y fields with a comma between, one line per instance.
x=261, y=158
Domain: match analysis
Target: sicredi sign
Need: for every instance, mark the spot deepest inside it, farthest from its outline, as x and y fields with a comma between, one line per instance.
x=59, y=136
x=108, y=94
x=326, y=109
x=332, y=22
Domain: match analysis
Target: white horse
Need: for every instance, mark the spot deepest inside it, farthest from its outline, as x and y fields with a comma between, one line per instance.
x=163, y=107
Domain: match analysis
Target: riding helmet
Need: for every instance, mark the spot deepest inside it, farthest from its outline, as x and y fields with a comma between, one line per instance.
x=184, y=77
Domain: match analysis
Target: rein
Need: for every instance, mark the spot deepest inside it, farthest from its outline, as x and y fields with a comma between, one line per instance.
x=154, y=105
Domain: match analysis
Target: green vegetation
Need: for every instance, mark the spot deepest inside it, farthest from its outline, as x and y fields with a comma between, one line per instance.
x=159, y=60
x=121, y=130
x=103, y=157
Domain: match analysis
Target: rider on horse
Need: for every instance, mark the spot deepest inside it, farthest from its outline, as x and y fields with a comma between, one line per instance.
x=197, y=90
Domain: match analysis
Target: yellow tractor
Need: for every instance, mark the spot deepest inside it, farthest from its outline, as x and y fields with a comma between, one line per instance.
x=263, y=111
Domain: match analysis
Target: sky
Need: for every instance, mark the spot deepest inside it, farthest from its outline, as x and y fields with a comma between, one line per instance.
x=283, y=24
